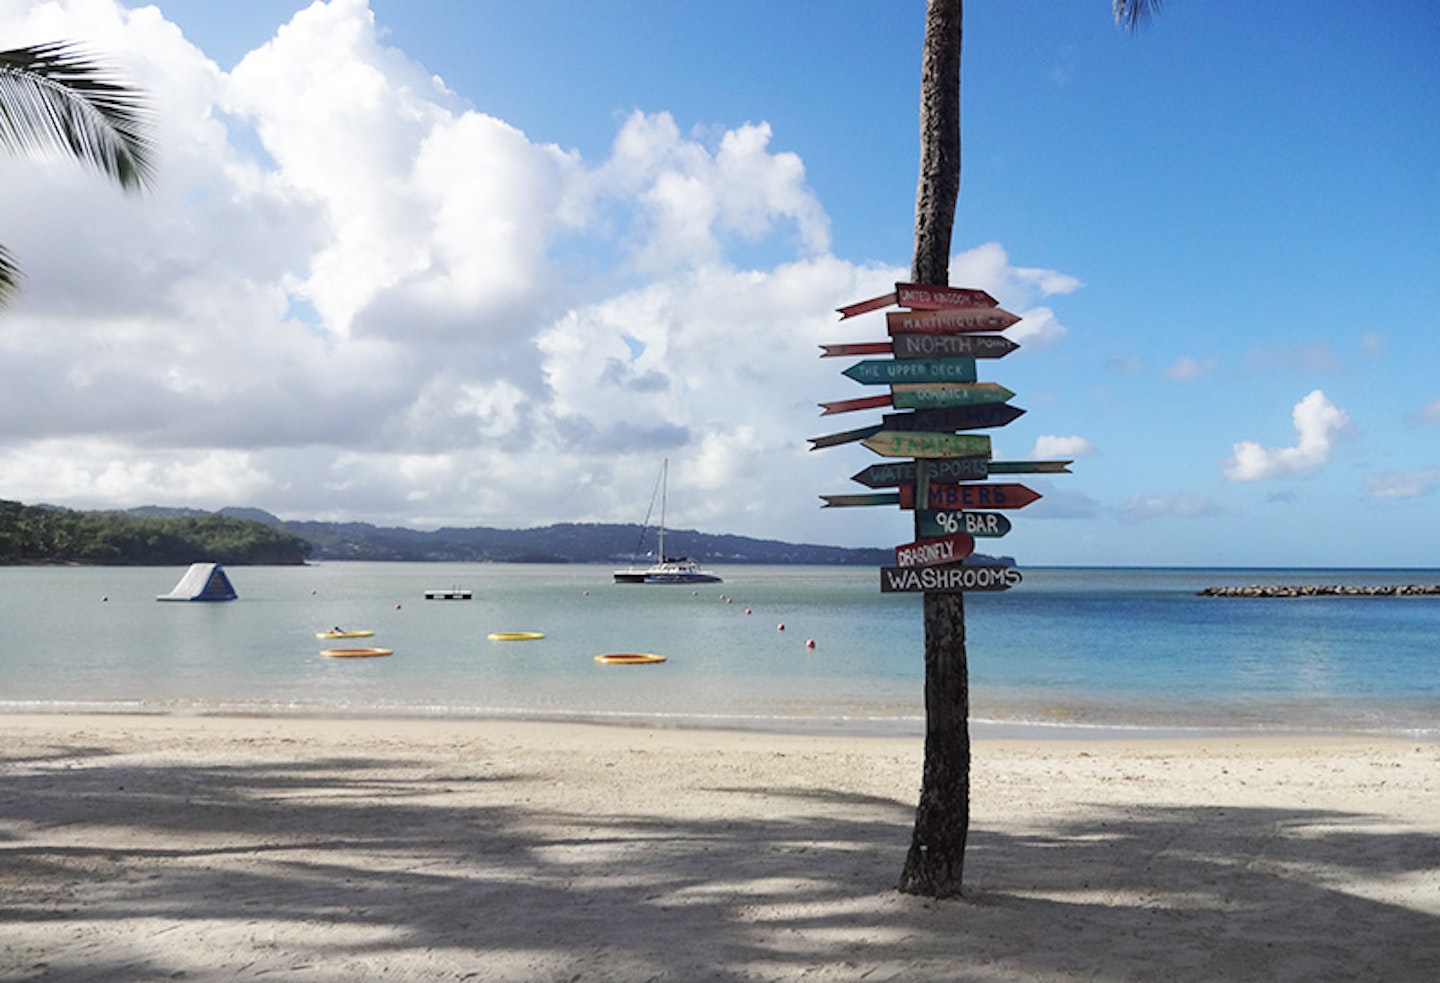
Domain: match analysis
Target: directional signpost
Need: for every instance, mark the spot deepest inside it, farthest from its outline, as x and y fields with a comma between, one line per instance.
x=934, y=345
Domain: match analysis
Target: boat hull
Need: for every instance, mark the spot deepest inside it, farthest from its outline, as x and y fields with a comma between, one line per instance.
x=672, y=571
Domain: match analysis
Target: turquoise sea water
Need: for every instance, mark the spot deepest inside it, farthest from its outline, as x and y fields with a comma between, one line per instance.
x=1069, y=648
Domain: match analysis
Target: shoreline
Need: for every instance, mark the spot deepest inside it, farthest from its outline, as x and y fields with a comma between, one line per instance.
x=849, y=726
x=228, y=848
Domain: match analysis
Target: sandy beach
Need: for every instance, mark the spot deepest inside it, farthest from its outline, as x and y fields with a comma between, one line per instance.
x=149, y=848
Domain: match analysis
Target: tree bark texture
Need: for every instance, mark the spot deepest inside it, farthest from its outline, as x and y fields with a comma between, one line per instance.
x=939, y=184
x=935, y=864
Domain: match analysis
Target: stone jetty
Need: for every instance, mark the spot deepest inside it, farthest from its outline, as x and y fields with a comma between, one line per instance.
x=1323, y=590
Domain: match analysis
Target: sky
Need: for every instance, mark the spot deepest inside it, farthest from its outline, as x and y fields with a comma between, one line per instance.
x=490, y=262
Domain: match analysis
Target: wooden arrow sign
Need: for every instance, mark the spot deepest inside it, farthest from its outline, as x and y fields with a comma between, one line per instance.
x=857, y=348
x=998, y=496
x=1030, y=467
x=948, y=346
x=944, y=522
x=954, y=418
x=884, y=372
x=847, y=437
x=929, y=296
x=958, y=578
x=850, y=405
x=891, y=443
x=911, y=396
x=854, y=501
x=892, y=474
x=949, y=322
x=932, y=395
x=935, y=551
x=865, y=306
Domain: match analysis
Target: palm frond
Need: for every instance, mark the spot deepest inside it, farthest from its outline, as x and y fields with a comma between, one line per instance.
x=54, y=97
x=9, y=277
x=1132, y=14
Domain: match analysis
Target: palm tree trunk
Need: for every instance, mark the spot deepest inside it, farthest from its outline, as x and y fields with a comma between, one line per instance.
x=935, y=863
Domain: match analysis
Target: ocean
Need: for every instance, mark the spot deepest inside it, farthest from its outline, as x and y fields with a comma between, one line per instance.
x=1070, y=651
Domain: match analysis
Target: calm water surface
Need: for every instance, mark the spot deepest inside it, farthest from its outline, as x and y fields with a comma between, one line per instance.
x=1068, y=648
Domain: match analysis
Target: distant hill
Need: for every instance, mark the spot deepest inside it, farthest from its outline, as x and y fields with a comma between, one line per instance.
x=561, y=543
x=47, y=534
x=164, y=534
x=568, y=542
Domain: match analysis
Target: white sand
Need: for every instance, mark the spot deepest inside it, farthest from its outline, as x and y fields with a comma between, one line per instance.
x=153, y=848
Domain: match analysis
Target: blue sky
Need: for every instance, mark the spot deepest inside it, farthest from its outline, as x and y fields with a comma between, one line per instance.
x=460, y=263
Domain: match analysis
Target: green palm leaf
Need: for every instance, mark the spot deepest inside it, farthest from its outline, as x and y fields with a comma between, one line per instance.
x=54, y=98
x=1134, y=13
x=9, y=277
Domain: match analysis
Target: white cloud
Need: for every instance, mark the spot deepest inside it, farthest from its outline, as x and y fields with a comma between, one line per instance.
x=1187, y=368
x=1429, y=414
x=353, y=296
x=1049, y=448
x=1183, y=505
x=1402, y=484
x=1318, y=423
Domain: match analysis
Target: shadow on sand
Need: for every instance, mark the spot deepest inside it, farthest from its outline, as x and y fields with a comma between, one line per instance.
x=361, y=868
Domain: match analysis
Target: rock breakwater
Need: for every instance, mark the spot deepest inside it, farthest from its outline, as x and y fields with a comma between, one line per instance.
x=1323, y=590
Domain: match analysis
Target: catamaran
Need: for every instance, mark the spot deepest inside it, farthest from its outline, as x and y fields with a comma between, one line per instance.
x=669, y=569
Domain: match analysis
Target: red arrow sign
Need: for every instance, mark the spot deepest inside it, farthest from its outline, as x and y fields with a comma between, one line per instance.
x=931, y=297
x=997, y=496
x=850, y=405
x=935, y=551
x=950, y=322
x=857, y=348
x=864, y=306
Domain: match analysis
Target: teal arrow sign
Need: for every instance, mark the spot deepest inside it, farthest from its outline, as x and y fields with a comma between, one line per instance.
x=888, y=372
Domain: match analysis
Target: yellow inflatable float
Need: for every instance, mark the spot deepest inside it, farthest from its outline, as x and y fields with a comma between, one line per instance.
x=515, y=636
x=629, y=659
x=355, y=653
x=342, y=633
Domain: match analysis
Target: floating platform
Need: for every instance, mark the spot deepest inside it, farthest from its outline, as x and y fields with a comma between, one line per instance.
x=453, y=594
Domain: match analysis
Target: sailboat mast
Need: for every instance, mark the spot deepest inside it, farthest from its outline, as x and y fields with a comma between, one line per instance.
x=664, y=487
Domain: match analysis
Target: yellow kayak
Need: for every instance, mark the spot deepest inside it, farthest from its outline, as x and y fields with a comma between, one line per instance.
x=338, y=633
x=355, y=653
x=629, y=659
x=515, y=636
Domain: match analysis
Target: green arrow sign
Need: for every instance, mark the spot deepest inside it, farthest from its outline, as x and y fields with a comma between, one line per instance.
x=1030, y=467
x=845, y=437
x=861, y=500
x=914, y=396
x=944, y=522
